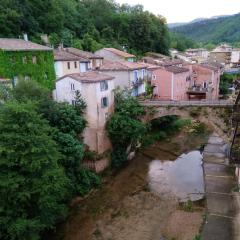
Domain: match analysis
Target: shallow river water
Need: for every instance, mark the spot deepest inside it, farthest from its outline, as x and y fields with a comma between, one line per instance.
x=182, y=178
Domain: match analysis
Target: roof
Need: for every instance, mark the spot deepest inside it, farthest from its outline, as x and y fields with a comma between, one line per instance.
x=176, y=70
x=210, y=66
x=152, y=66
x=82, y=53
x=157, y=55
x=121, y=66
x=63, y=55
x=13, y=44
x=120, y=53
x=88, y=77
x=196, y=49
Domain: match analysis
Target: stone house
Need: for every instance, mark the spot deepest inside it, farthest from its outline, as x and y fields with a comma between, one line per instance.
x=114, y=54
x=96, y=89
x=67, y=63
x=95, y=60
x=22, y=59
x=130, y=75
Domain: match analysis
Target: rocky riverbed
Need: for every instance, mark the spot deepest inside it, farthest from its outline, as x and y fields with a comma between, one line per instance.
x=127, y=207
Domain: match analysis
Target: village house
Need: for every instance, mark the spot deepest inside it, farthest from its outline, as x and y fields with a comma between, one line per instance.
x=114, y=54
x=170, y=82
x=198, y=52
x=95, y=60
x=96, y=89
x=205, y=82
x=235, y=58
x=130, y=75
x=22, y=59
x=222, y=54
x=67, y=63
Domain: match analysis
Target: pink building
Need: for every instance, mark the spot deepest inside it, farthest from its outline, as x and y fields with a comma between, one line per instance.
x=205, y=82
x=170, y=83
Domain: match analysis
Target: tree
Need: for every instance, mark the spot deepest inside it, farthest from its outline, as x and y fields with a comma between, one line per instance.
x=33, y=185
x=125, y=127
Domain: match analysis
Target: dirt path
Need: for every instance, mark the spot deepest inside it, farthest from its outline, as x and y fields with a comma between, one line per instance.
x=125, y=209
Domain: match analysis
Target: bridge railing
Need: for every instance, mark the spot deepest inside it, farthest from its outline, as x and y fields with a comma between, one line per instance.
x=188, y=103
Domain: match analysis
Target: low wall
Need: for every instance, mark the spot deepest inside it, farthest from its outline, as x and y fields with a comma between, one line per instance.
x=96, y=165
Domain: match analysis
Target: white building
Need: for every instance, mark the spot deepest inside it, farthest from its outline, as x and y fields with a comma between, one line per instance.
x=235, y=58
x=95, y=60
x=114, y=54
x=67, y=63
x=97, y=91
x=129, y=75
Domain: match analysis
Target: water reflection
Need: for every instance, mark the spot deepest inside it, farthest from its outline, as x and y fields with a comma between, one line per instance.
x=182, y=178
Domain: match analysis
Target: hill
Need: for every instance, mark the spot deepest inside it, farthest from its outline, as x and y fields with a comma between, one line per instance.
x=214, y=30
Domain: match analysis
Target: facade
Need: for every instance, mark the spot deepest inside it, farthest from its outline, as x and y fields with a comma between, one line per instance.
x=22, y=59
x=170, y=83
x=235, y=58
x=222, y=54
x=129, y=75
x=96, y=89
x=198, y=52
x=114, y=54
x=67, y=63
x=95, y=61
x=205, y=82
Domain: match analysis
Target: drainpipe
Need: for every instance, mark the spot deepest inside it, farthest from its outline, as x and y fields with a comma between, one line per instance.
x=172, y=87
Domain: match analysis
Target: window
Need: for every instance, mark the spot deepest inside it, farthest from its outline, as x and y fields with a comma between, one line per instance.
x=204, y=84
x=24, y=60
x=104, y=85
x=104, y=102
x=75, y=64
x=135, y=75
x=143, y=73
x=154, y=77
x=68, y=64
x=72, y=86
x=15, y=80
x=34, y=59
x=73, y=102
x=26, y=78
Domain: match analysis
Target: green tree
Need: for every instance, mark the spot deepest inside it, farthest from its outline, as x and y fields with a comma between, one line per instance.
x=125, y=127
x=33, y=185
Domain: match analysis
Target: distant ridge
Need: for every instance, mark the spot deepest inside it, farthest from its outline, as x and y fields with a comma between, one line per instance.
x=216, y=29
x=173, y=25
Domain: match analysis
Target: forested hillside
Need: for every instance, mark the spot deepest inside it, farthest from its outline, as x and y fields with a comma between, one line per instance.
x=86, y=24
x=223, y=29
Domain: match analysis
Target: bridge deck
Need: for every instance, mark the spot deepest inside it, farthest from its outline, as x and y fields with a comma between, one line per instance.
x=219, y=103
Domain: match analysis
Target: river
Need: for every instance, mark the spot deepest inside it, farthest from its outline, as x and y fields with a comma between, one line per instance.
x=143, y=200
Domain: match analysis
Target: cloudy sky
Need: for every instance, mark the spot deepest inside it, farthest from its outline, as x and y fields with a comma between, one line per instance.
x=187, y=10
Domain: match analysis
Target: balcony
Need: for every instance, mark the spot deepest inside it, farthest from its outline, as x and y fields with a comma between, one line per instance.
x=197, y=89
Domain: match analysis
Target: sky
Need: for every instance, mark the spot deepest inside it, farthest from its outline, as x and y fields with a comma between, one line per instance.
x=187, y=10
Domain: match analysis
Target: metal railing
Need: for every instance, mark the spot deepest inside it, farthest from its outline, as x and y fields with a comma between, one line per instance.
x=235, y=146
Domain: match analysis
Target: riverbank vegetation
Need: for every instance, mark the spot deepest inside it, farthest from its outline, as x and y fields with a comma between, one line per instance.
x=40, y=161
x=125, y=127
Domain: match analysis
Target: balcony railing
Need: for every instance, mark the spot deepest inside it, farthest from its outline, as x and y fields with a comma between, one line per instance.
x=197, y=89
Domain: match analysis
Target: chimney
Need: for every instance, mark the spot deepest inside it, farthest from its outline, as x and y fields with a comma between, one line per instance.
x=25, y=37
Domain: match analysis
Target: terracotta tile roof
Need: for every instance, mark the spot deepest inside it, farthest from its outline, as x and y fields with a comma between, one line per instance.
x=63, y=55
x=211, y=66
x=13, y=44
x=176, y=70
x=88, y=77
x=120, y=53
x=121, y=66
x=157, y=55
x=152, y=66
x=83, y=54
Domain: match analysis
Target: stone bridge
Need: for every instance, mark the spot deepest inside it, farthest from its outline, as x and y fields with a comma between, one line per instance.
x=157, y=109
